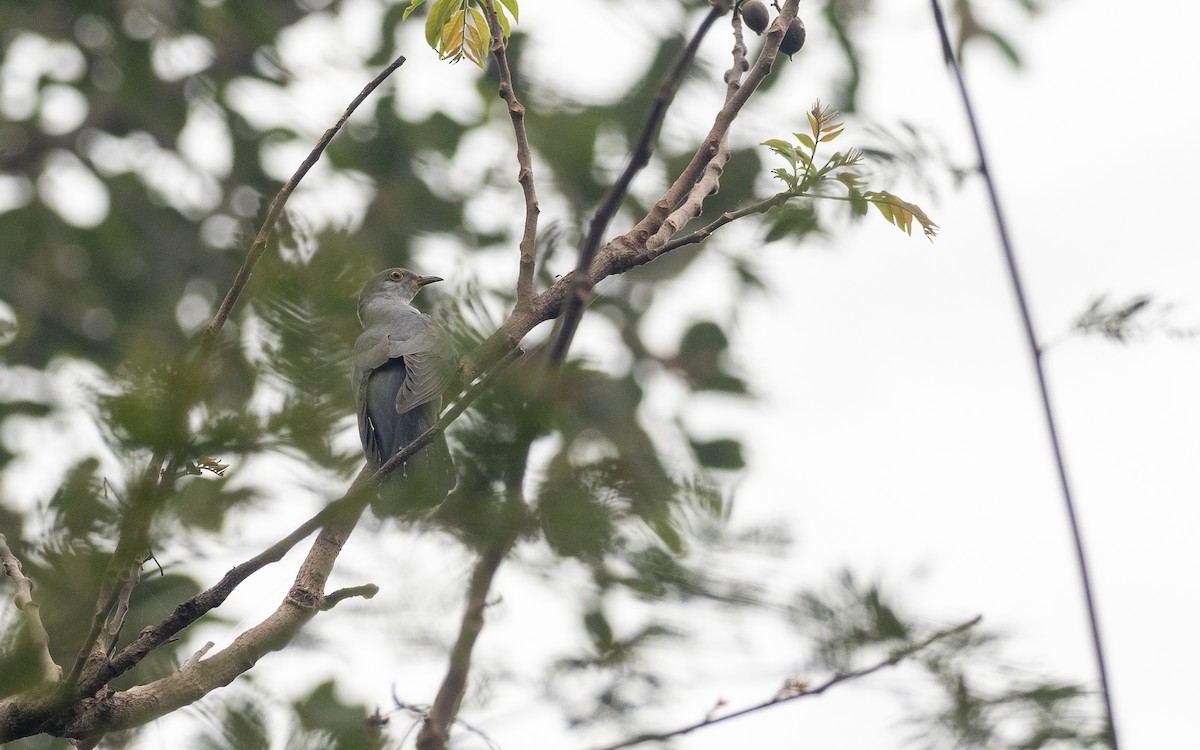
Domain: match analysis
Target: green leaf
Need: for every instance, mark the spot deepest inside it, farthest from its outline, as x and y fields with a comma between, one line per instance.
x=511, y=6
x=411, y=7
x=439, y=16
x=805, y=141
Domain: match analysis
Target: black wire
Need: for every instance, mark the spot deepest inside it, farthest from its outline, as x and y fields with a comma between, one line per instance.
x=1036, y=352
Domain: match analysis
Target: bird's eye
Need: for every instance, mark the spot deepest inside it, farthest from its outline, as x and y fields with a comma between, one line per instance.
x=395, y=275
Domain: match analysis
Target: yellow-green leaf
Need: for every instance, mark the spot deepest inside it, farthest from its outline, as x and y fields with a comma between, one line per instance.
x=413, y=5
x=511, y=5
x=439, y=14
x=451, y=41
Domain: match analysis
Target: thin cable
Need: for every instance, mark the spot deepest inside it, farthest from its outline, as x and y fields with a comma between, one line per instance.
x=1036, y=352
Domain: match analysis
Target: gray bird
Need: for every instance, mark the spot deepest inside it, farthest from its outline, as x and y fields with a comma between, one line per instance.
x=402, y=363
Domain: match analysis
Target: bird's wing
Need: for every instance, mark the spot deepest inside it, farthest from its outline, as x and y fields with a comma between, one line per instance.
x=429, y=367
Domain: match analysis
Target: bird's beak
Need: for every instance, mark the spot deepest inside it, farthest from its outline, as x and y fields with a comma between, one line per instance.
x=423, y=280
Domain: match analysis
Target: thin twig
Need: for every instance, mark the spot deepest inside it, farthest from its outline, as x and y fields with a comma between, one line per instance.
x=1039, y=370
x=707, y=230
x=132, y=541
x=516, y=111
x=259, y=246
x=30, y=613
x=789, y=696
x=638, y=159
x=332, y=599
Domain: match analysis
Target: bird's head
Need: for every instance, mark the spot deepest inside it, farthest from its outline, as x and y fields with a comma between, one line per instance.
x=395, y=286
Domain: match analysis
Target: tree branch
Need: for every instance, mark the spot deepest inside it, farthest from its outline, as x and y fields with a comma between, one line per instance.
x=516, y=111
x=436, y=729
x=366, y=591
x=707, y=230
x=30, y=613
x=638, y=159
x=793, y=693
x=1039, y=371
x=133, y=537
x=349, y=505
x=259, y=245
x=138, y=705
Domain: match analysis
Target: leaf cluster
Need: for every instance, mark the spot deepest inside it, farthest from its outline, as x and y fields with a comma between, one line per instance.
x=458, y=29
x=805, y=176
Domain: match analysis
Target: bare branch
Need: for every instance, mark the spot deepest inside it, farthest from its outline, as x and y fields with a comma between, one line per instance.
x=259, y=245
x=516, y=111
x=107, y=637
x=30, y=613
x=638, y=159
x=1036, y=354
x=710, y=179
x=436, y=729
x=794, y=692
x=366, y=591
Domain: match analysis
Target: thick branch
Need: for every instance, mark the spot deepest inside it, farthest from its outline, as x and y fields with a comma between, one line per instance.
x=638, y=159
x=516, y=111
x=30, y=613
x=193, y=609
x=138, y=705
x=793, y=694
x=621, y=254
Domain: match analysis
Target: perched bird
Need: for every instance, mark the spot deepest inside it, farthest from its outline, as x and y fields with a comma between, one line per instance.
x=402, y=363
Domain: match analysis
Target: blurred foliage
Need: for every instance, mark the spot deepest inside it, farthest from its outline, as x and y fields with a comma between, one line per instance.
x=981, y=700
x=139, y=143
x=1130, y=320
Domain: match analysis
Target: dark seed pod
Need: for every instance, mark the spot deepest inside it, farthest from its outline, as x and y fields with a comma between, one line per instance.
x=793, y=38
x=755, y=15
